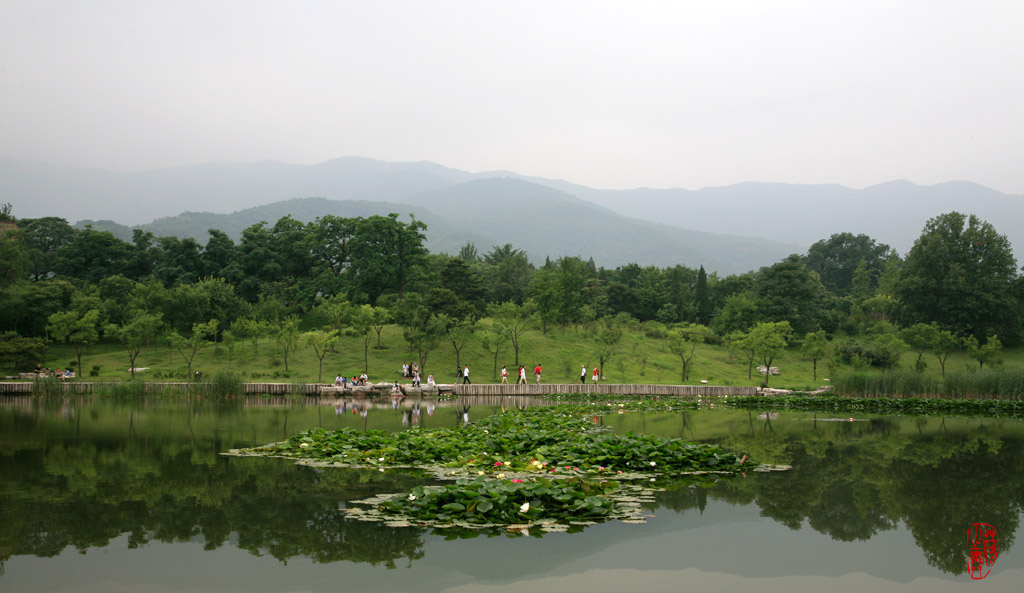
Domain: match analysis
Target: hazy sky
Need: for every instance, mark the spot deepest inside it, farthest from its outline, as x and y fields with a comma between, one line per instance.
x=607, y=94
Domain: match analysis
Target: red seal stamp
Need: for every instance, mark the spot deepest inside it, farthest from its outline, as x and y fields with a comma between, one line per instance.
x=982, y=549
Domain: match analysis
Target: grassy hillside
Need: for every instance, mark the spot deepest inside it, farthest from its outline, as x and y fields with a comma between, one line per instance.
x=639, y=359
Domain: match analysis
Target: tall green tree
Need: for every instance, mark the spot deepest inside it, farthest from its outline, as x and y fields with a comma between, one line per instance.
x=78, y=327
x=507, y=272
x=197, y=339
x=768, y=340
x=387, y=254
x=790, y=291
x=959, y=274
x=134, y=334
x=837, y=258
x=287, y=336
x=516, y=319
x=945, y=343
x=607, y=336
x=323, y=343
x=815, y=347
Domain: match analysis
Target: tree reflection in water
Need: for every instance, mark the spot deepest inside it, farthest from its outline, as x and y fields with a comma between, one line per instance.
x=79, y=477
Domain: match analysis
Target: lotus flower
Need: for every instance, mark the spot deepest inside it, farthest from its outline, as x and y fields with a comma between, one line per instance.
x=524, y=507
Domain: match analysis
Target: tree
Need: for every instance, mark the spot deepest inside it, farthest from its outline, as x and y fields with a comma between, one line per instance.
x=251, y=330
x=287, y=336
x=837, y=259
x=362, y=323
x=77, y=327
x=739, y=340
x=386, y=254
x=703, y=297
x=768, y=340
x=815, y=347
x=959, y=274
x=44, y=238
x=323, y=343
x=608, y=335
x=507, y=273
x=739, y=313
x=423, y=331
x=790, y=291
x=15, y=259
x=19, y=352
x=135, y=334
x=945, y=344
x=459, y=334
x=493, y=340
x=920, y=337
x=516, y=319
x=197, y=339
x=683, y=343
x=886, y=345
x=337, y=311
x=987, y=354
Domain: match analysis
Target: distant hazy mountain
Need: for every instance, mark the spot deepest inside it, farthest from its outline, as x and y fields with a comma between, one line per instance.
x=548, y=222
x=892, y=213
x=542, y=221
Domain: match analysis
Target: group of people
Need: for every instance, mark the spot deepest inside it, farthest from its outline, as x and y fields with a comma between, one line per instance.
x=411, y=370
x=65, y=374
x=522, y=374
x=583, y=374
x=343, y=381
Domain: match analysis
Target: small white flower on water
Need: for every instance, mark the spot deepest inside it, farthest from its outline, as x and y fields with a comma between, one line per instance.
x=380, y=459
x=304, y=445
x=382, y=470
x=653, y=464
x=525, y=507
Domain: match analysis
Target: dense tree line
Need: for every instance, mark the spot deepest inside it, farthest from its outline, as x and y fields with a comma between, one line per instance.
x=959, y=280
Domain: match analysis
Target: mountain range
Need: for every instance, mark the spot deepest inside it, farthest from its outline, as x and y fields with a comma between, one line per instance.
x=728, y=229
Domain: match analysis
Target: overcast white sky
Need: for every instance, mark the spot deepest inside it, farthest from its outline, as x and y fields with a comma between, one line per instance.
x=606, y=94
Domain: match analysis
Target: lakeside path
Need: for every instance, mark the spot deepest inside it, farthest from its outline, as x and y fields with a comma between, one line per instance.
x=329, y=390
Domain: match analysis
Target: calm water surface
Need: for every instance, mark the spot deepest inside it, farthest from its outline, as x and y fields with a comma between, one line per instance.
x=98, y=495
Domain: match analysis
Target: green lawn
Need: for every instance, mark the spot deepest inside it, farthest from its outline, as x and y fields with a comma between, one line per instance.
x=638, y=359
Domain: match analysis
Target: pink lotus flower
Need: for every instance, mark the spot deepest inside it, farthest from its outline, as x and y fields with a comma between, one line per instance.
x=517, y=481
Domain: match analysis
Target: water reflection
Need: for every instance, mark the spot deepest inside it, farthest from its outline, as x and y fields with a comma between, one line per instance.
x=80, y=473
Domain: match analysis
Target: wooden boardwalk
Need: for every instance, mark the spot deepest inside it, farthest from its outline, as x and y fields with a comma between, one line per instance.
x=474, y=389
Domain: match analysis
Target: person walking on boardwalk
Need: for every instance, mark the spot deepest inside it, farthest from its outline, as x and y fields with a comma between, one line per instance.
x=597, y=374
x=536, y=372
x=504, y=374
x=583, y=374
x=465, y=375
x=522, y=375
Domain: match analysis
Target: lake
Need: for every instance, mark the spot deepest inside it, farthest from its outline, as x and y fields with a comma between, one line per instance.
x=105, y=495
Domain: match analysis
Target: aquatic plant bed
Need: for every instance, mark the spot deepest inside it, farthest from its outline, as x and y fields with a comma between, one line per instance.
x=545, y=466
x=1002, y=408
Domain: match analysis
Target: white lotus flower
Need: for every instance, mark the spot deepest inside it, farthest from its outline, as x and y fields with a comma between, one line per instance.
x=525, y=507
x=653, y=464
x=412, y=497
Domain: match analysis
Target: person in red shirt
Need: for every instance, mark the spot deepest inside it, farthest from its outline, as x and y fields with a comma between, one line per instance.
x=536, y=372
